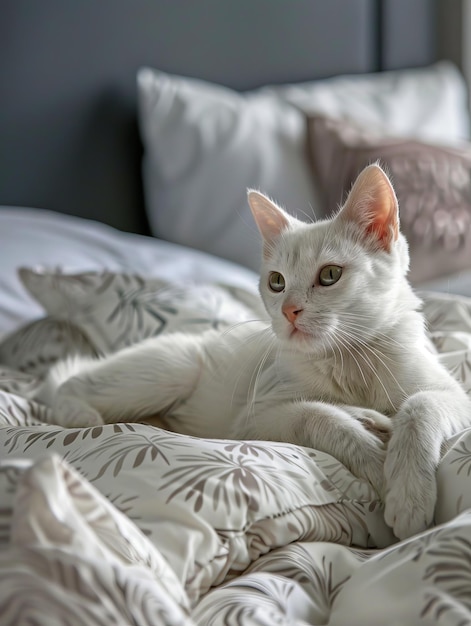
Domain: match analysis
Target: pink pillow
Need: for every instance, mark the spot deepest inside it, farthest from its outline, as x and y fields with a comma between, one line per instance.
x=432, y=183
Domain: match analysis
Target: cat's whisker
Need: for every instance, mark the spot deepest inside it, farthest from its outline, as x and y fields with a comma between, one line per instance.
x=252, y=390
x=260, y=336
x=352, y=319
x=332, y=347
x=237, y=325
x=360, y=348
x=348, y=342
x=380, y=356
x=310, y=218
x=341, y=358
x=361, y=335
x=327, y=340
x=373, y=333
x=345, y=344
x=367, y=323
x=358, y=332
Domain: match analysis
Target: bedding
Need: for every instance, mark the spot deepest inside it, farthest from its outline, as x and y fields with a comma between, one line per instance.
x=39, y=237
x=131, y=523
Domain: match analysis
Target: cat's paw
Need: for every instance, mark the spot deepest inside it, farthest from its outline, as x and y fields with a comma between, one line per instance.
x=72, y=412
x=409, y=501
x=374, y=422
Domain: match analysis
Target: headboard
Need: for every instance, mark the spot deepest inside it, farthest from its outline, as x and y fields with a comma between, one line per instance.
x=69, y=138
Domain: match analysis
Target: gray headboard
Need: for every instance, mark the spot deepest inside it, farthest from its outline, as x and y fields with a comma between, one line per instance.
x=68, y=133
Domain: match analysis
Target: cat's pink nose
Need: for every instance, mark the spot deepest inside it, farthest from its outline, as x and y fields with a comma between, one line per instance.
x=291, y=312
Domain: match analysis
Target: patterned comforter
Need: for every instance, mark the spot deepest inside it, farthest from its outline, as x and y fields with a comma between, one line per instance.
x=132, y=524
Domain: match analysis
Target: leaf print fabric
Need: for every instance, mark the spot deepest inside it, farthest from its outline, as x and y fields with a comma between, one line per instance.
x=129, y=523
x=424, y=581
x=116, y=310
x=211, y=507
x=75, y=558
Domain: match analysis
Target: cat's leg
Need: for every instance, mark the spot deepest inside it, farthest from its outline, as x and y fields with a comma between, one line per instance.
x=146, y=379
x=328, y=428
x=423, y=423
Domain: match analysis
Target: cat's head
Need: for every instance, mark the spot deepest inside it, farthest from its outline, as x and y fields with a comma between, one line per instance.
x=338, y=279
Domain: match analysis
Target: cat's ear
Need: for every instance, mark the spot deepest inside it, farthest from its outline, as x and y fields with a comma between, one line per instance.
x=270, y=218
x=372, y=204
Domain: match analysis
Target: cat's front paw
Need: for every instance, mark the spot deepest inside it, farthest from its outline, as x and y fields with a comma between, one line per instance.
x=376, y=423
x=72, y=412
x=409, y=501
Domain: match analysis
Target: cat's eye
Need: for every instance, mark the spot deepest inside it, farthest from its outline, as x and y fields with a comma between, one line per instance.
x=329, y=275
x=276, y=282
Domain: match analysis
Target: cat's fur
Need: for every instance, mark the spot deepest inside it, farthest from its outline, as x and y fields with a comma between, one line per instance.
x=340, y=365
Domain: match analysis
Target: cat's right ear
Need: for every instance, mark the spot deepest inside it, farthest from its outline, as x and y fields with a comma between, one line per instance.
x=270, y=218
x=372, y=205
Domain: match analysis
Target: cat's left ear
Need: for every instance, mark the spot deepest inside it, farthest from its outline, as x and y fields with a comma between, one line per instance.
x=372, y=204
x=270, y=218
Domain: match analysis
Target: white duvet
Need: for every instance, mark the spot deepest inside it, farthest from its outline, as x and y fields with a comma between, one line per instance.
x=131, y=524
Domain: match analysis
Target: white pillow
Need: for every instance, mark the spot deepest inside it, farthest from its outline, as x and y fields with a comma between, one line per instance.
x=204, y=144
x=425, y=103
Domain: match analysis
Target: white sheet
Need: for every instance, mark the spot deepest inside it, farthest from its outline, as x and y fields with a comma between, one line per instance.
x=34, y=237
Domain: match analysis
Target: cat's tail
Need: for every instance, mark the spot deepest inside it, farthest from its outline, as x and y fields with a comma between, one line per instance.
x=58, y=374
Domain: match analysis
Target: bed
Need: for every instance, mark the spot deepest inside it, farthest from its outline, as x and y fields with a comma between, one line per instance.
x=130, y=133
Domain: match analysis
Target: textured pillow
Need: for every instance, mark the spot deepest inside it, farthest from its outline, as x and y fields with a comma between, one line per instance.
x=116, y=310
x=204, y=144
x=432, y=183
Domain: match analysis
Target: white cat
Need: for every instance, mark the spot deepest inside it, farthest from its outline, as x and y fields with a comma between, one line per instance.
x=345, y=360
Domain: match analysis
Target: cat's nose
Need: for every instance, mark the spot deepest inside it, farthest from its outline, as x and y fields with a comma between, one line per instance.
x=291, y=312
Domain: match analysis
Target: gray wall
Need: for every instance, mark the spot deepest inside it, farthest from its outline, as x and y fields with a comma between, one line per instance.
x=68, y=134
